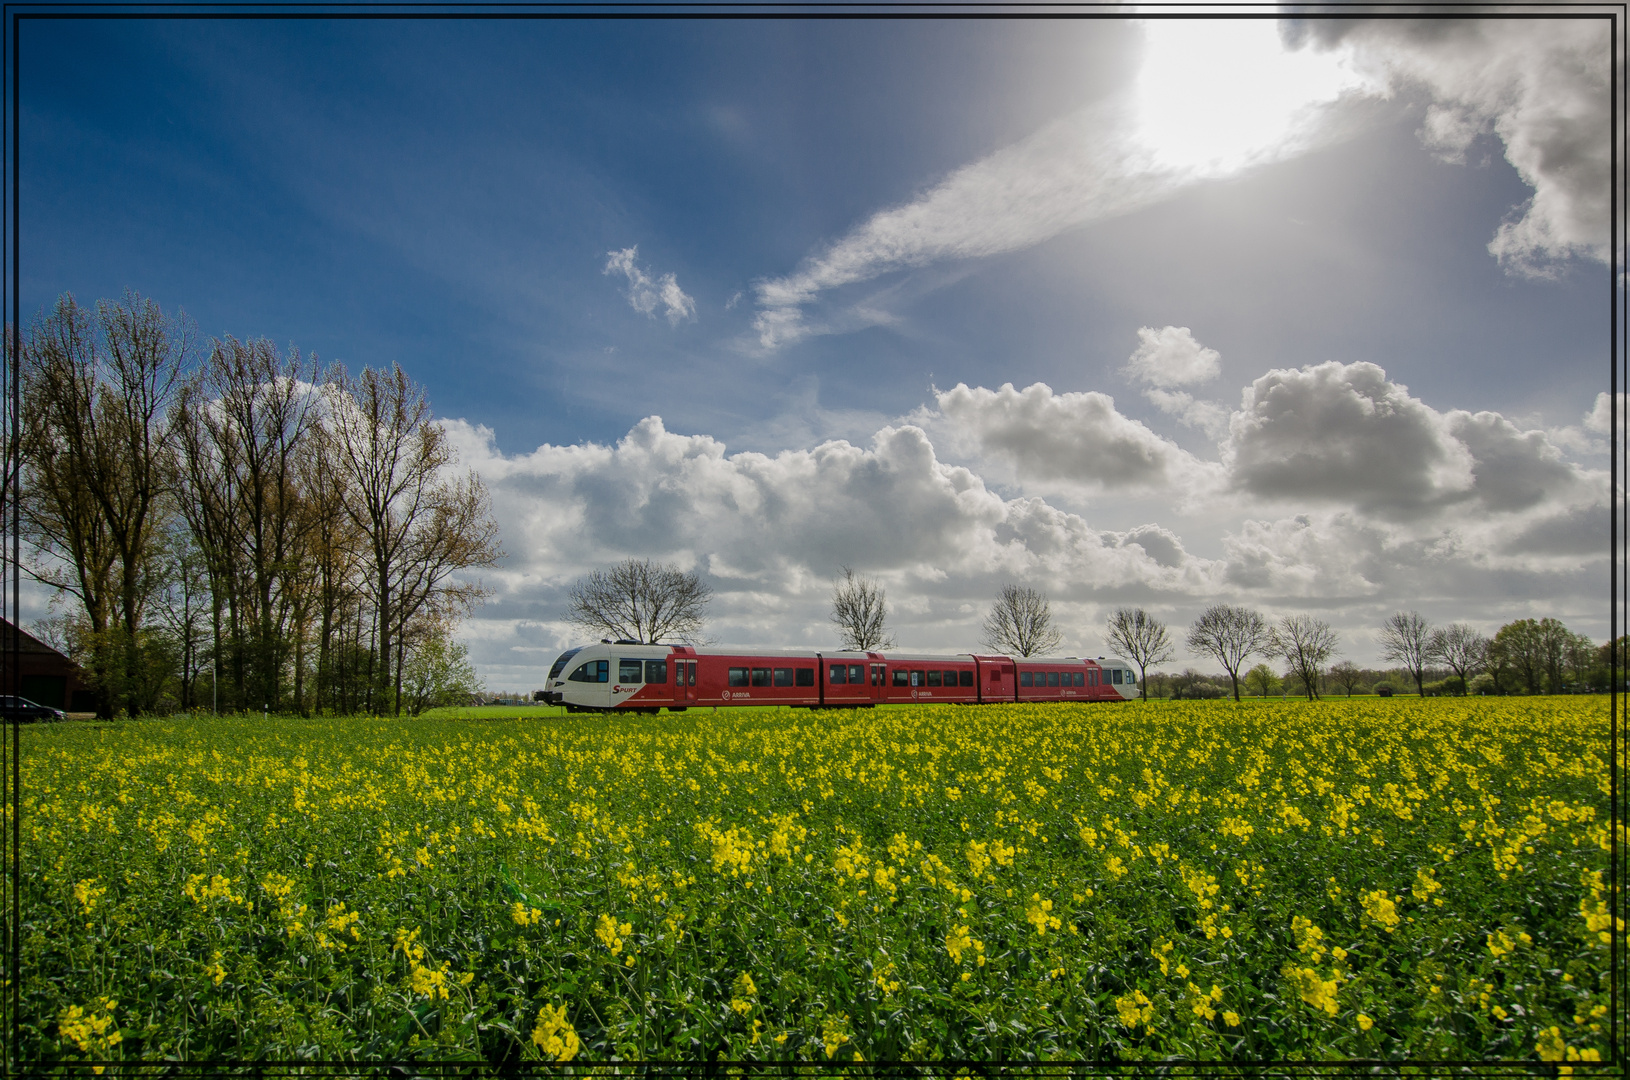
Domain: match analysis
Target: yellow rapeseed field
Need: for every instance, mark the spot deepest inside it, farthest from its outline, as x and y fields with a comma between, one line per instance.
x=1388, y=879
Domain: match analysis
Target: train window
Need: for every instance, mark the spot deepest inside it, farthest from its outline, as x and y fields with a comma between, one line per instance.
x=933, y=679
x=916, y=678
x=806, y=676
x=902, y=677
x=836, y=675
x=1079, y=678
x=593, y=671
x=761, y=676
x=965, y=678
x=690, y=670
x=783, y=676
x=629, y=671
x=1025, y=678
x=560, y=663
x=1092, y=678
x=738, y=676
x=857, y=675
x=1115, y=676
x=656, y=671
x=1052, y=678
x=878, y=671
x=950, y=678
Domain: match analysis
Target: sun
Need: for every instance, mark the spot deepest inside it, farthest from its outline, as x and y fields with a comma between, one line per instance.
x=1215, y=96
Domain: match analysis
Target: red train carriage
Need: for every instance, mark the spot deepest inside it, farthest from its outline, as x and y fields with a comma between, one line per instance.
x=645, y=678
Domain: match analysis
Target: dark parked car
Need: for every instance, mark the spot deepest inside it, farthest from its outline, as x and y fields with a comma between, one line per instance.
x=20, y=708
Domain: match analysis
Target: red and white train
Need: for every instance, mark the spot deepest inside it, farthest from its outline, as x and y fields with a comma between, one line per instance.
x=644, y=678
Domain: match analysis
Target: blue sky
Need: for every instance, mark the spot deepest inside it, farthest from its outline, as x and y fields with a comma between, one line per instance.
x=871, y=226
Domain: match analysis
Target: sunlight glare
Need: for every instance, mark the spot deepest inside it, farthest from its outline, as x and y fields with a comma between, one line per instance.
x=1215, y=96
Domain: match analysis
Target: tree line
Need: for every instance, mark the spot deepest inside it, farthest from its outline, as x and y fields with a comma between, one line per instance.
x=226, y=525
x=1524, y=656
x=638, y=600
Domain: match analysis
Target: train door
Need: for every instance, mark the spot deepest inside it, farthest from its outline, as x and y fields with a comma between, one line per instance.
x=684, y=682
x=879, y=686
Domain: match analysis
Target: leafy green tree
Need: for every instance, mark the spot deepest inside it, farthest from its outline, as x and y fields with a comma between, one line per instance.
x=1535, y=650
x=438, y=671
x=1262, y=680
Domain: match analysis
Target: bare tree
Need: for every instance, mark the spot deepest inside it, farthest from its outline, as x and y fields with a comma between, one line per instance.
x=639, y=600
x=252, y=415
x=1229, y=635
x=1406, y=639
x=99, y=389
x=1462, y=649
x=182, y=602
x=392, y=456
x=1020, y=623
x=1306, y=644
x=1142, y=639
x=336, y=550
x=1346, y=675
x=860, y=612
x=459, y=533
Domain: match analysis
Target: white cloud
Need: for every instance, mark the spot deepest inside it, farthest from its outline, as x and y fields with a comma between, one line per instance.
x=1391, y=504
x=893, y=506
x=1541, y=86
x=1207, y=416
x=1600, y=418
x=645, y=292
x=1077, y=169
x=1073, y=440
x=1589, y=436
x=770, y=530
x=1343, y=433
x=1171, y=357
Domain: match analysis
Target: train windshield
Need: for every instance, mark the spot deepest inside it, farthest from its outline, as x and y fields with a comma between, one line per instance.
x=560, y=664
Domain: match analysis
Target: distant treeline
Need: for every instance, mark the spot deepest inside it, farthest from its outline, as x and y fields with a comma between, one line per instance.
x=1528, y=656
x=228, y=525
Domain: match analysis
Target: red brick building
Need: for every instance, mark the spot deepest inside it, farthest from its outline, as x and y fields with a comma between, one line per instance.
x=44, y=675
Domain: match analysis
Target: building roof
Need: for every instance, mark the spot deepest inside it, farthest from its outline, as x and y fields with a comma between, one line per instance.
x=11, y=637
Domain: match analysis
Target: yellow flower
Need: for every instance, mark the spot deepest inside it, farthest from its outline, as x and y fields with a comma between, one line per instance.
x=1379, y=908
x=1040, y=914
x=1317, y=992
x=1364, y=1022
x=553, y=1034
x=833, y=1034
x=88, y=1030
x=1135, y=1009
x=610, y=932
x=1551, y=1047
x=87, y=892
x=957, y=941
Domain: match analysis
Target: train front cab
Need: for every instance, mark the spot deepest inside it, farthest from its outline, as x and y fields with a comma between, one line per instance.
x=639, y=678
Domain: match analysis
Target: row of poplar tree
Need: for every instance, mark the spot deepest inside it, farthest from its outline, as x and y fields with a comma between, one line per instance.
x=225, y=525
